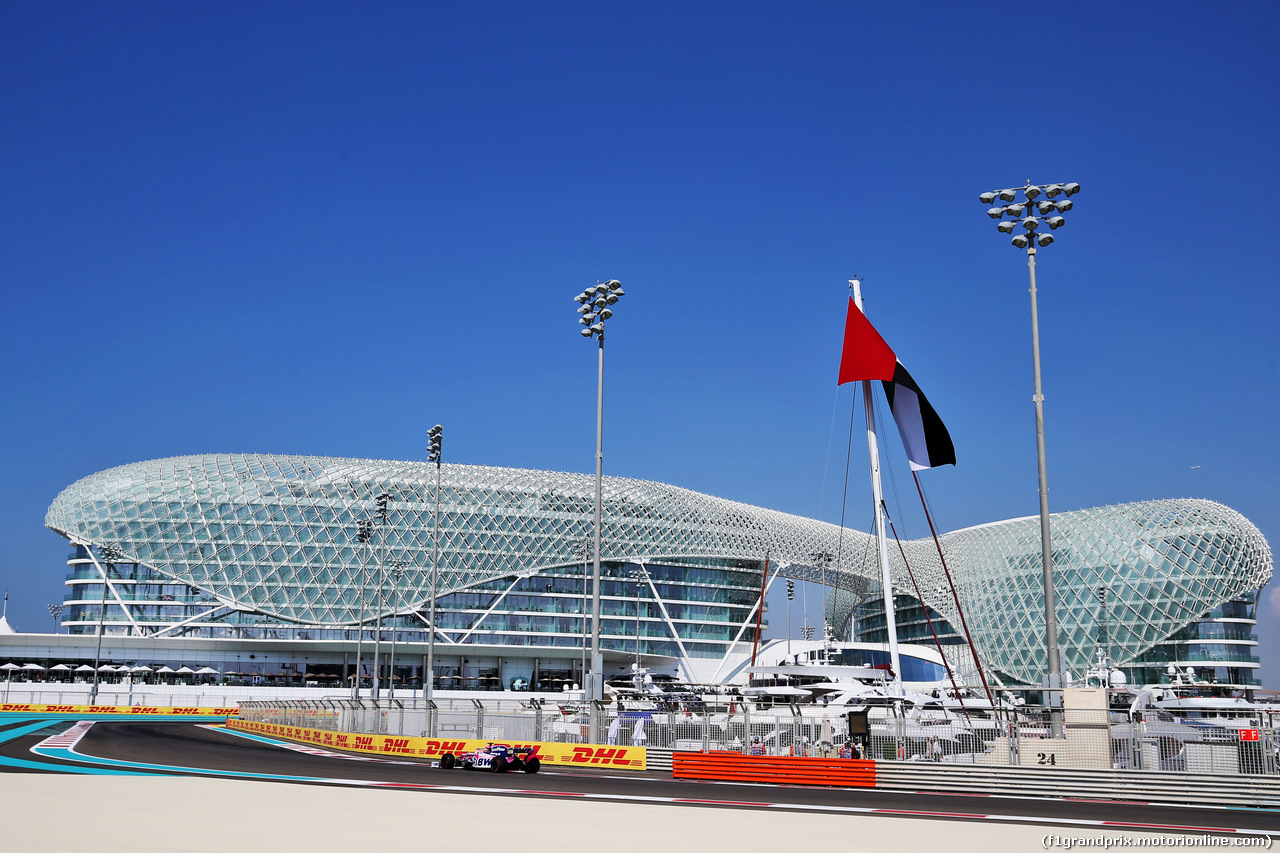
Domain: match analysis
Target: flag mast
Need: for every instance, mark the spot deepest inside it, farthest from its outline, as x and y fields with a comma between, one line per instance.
x=877, y=493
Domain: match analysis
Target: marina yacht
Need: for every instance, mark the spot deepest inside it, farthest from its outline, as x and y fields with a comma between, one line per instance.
x=828, y=680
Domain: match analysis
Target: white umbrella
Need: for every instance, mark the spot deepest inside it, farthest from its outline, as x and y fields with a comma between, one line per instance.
x=124, y=667
x=166, y=669
x=60, y=667
x=106, y=667
x=185, y=670
x=10, y=667
x=206, y=670
x=84, y=667
x=33, y=667
x=142, y=668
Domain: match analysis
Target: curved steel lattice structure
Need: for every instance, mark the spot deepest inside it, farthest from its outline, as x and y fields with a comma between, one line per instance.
x=1162, y=563
x=278, y=535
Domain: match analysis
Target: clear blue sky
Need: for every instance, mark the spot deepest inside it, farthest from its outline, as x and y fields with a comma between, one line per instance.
x=320, y=228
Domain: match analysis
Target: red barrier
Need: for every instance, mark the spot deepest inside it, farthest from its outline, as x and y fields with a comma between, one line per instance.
x=735, y=767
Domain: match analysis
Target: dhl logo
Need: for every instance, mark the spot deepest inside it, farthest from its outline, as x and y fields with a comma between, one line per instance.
x=143, y=709
x=60, y=709
x=440, y=747
x=600, y=755
x=397, y=744
x=16, y=708
x=188, y=710
x=364, y=742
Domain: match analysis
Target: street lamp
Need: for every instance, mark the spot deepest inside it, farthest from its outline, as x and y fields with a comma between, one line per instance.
x=596, y=307
x=435, y=438
x=55, y=610
x=110, y=555
x=1030, y=214
x=364, y=534
x=381, y=515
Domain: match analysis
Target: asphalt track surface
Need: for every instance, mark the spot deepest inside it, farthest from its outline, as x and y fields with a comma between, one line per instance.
x=187, y=749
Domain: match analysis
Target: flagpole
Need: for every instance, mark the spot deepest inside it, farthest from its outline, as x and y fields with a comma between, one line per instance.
x=877, y=493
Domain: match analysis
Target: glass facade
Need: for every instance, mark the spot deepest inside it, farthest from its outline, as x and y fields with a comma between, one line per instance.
x=268, y=546
x=698, y=611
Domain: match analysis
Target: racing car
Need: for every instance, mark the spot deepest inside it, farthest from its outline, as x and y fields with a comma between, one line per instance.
x=497, y=757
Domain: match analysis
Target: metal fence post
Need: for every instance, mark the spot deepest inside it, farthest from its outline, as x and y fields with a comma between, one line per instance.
x=537, y=719
x=479, y=718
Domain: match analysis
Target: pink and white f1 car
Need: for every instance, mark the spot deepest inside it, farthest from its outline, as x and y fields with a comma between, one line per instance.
x=497, y=757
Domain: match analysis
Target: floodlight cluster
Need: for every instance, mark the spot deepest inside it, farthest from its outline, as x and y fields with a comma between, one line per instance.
x=1031, y=211
x=596, y=305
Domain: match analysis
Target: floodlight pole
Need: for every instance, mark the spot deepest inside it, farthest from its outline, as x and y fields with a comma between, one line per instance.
x=364, y=532
x=382, y=501
x=595, y=302
x=1046, y=544
x=397, y=571
x=435, y=441
x=584, y=548
x=109, y=557
x=597, y=659
x=1050, y=215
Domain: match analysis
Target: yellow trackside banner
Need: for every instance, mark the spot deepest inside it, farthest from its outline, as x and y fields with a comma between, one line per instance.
x=120, y=710
x=574, y=754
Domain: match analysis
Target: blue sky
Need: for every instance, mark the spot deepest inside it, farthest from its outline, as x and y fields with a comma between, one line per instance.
x=320, y=228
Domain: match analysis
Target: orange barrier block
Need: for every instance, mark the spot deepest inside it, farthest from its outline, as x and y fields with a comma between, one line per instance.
x=735, y=767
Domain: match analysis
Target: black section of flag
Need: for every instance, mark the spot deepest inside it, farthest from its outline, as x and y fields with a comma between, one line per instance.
x=923, y=434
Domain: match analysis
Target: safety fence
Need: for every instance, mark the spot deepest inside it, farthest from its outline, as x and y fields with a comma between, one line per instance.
x=112, y=696
x=1089, y=739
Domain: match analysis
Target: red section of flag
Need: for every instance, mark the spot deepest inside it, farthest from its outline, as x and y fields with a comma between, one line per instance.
x=865, y=355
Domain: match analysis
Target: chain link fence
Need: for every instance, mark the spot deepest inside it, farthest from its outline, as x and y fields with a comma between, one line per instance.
x=1091, y=739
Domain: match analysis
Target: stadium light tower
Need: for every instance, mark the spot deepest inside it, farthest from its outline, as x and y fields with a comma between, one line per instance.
x=596, y=306
x=1039, y=205
x=364, y=535
x=110, y=556
x=382, y=502
x=435, y=438
x=397, y=572
x=55, y=610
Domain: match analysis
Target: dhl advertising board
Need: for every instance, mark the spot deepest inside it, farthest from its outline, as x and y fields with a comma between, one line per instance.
x=114, y=710
x=573, y=754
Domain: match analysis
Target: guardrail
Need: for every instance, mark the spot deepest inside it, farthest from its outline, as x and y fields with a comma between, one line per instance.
x=1151, y=787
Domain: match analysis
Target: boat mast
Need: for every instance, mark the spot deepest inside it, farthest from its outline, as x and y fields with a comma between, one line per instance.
x=877, y=493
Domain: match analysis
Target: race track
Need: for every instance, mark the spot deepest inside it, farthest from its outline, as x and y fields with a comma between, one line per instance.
x=189, y=749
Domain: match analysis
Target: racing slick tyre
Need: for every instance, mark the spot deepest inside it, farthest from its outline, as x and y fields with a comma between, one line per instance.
x=531, y=765
x=515, y=763
x=447, y=761
x=499, y=764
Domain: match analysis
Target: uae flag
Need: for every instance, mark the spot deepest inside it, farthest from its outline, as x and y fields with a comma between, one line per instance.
x=867, y=356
